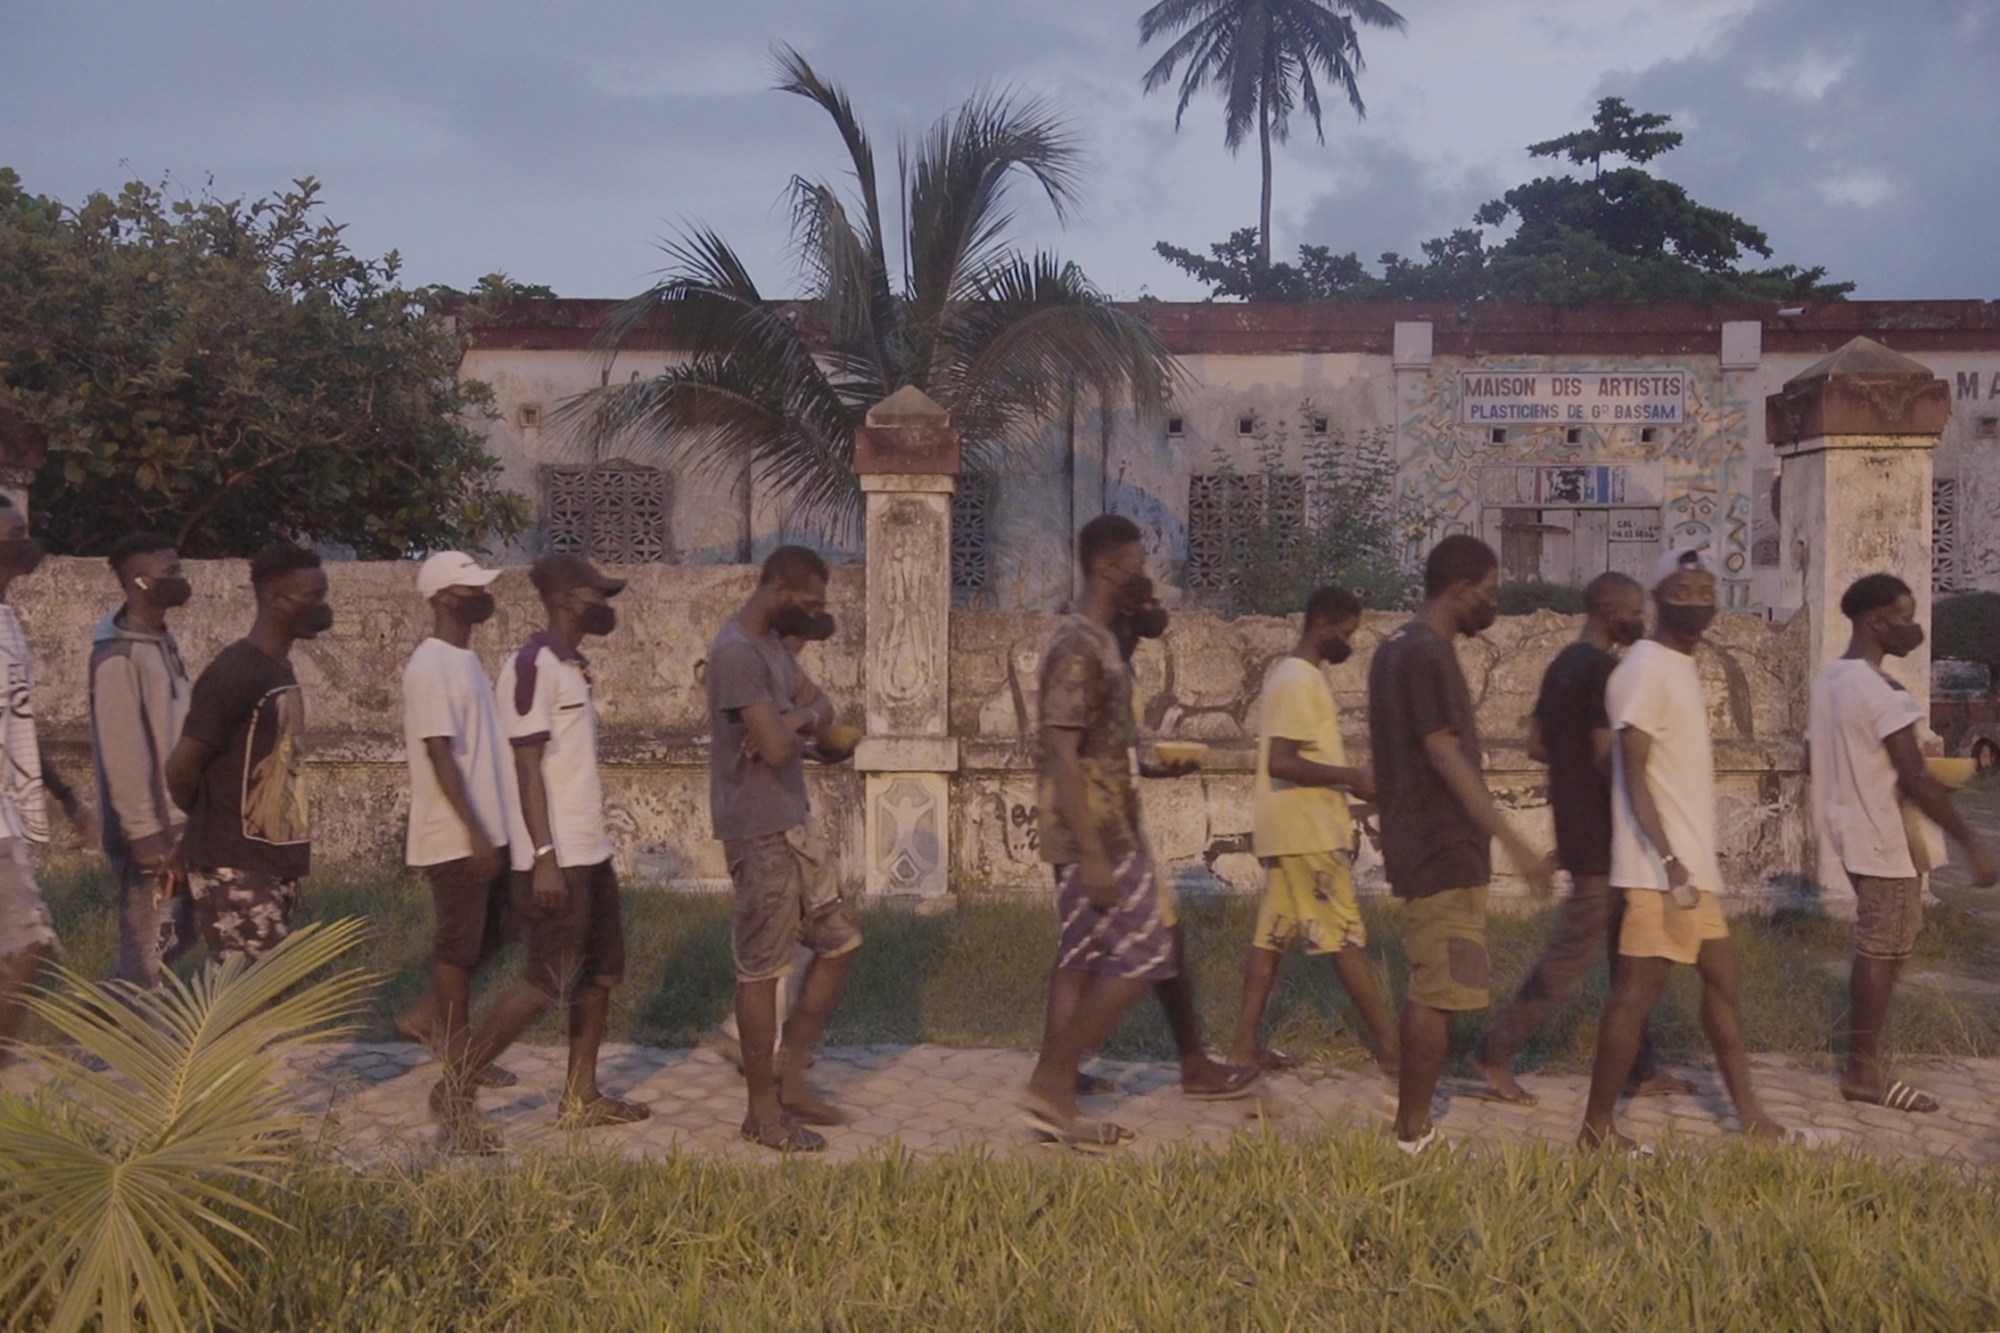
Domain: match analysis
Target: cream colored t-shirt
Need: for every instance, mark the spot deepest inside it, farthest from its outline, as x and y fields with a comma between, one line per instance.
x=1285, y=818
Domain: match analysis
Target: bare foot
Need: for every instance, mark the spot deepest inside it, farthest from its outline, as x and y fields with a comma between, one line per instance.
x=1660, y=1083
x=1608, y=1139
x=1501, y=1087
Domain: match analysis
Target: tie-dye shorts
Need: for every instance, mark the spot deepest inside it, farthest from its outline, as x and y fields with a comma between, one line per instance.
x=1131, y=940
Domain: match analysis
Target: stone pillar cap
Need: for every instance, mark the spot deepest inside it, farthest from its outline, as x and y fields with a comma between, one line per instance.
x=1862, y=389
x=907, y=434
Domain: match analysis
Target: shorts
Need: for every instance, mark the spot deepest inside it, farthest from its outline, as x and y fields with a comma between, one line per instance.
x=1444, y=935
x=1656, y=928
x=1132, y=941
x=1888, y=913
x=580, y=943
x=246, y=912
x=787, y=894
x=24, y=915
x=473, y=917
x=1309, y=897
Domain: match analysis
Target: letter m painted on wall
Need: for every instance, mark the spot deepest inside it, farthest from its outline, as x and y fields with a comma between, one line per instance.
x=1968, y=384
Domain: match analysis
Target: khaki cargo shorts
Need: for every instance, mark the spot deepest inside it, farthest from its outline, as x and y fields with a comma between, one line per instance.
x=787, y=893
x=1444, y=935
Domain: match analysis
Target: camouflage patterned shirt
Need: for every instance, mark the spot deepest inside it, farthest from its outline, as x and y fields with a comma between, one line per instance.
x=1086, y=688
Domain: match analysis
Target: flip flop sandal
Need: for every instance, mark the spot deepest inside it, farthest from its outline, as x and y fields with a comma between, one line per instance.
x=1238, y=1082
x=1094, y=1085
x=602, y=1111
x=493, y=1076
x=1623, y=1144
x=1486, y=1092
x=1084, y=1135
x=816, y=1110
x=1898, y=1096
x=1419, y=1146
x=1277, y=1062
x=1661, y=1085
x=787, y=1136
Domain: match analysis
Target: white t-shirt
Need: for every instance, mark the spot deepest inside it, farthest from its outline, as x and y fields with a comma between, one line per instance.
x=544, y=698
x=1658, y=691
x=446, y=693
x=1855, y=708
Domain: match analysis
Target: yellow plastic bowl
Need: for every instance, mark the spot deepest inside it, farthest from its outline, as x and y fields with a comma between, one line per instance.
x=839, y=736
x=1953, y=773
x=1180, y=752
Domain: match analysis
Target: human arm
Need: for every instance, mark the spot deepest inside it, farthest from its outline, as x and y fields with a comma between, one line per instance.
x=1286, y=764
x=1934, y=799
x=1635, y=749
x=1063, y=745
x=125, y=753
x=1447, y=759
x=73, y=806
x=546, y=876
x=1538, y=741
x=186, y=763
x=451, y=784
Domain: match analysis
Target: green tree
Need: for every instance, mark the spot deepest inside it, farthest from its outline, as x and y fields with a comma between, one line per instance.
x=1000, y=338
x=1619, y=234
x=1267, y=58
x=230, y=373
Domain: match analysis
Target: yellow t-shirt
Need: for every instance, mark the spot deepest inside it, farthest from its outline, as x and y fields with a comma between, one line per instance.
x=1285, y=818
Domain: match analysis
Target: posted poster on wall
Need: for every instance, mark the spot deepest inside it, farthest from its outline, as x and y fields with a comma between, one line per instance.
x=1572, y=397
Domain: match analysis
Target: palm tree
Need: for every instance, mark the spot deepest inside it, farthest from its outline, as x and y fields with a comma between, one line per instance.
x=1263, y=55
x=1001, y=339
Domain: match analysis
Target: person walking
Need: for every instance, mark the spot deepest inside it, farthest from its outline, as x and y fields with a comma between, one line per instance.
x=1570, y=732
x=1663, y=854
x=763, y=716
x=236, y=768
x=1303, y=834
x=462, y=812
x=1438, y=820
x=139, y=695
x=1866, y=768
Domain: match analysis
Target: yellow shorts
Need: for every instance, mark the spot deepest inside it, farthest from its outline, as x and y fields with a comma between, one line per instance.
x=1309, y=897
x=1655, y=928
x=1444, y=935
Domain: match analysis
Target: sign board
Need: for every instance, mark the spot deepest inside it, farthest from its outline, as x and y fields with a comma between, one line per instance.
x=1570, y=485
x=1635, y=525
x=1572, y=397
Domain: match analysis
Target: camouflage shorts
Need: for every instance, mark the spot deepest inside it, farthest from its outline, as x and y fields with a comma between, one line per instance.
x=241, y=911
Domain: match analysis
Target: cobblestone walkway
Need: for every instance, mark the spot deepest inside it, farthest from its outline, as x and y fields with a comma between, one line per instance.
x=370, y=1104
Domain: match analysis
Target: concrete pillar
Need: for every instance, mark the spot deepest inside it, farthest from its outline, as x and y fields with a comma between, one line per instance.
x=907, y=457
x=1854, y=435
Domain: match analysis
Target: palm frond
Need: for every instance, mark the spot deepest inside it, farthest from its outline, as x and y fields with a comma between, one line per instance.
x=120, y=1178
x=797, y=76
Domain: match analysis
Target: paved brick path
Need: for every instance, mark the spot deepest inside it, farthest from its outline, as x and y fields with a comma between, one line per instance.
x=370, y=1100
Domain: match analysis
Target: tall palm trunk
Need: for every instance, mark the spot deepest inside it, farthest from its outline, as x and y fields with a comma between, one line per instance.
x=1264, y=213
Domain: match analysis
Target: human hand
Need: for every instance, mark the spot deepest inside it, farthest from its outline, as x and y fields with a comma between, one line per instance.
x=1100, y=881
x=1531, y=867
x=550, y=893
x=1362, y=784
x=1985, y=873
x=485, y=857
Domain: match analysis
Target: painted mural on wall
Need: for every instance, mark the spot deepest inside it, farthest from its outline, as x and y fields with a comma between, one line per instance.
x=1694, y=467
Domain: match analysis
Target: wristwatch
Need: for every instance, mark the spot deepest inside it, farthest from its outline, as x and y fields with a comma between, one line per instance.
x=1669, y=861
x=544, y=850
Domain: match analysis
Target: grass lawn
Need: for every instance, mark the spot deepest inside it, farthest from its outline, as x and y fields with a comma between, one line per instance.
x=977, y=976
x=1338, y=1231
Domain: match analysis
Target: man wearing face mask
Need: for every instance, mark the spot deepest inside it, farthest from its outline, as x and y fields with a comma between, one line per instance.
x=1866, y=766
x=1571, y=733
x=565, y=891
x=1303, y=835
x=26, y=781
x=1439, y=822
x=235, y=769
x=763, y=716
x=139, y=692
x=461, y=799
x=1663, y=853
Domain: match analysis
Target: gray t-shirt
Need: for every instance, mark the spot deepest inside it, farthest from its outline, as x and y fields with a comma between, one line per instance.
x=747, y=798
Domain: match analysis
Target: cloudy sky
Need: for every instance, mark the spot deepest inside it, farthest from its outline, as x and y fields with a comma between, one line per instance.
x=557, y=142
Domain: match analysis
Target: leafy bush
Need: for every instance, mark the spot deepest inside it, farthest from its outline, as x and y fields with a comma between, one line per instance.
x=1527, y=596
x=123, y=1185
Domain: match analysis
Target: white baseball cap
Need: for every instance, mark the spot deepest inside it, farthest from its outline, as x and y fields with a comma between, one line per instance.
x=1681, y=560
x=452, y=569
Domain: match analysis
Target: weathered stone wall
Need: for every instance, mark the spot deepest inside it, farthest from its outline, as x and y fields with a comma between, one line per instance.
x=1200, y=682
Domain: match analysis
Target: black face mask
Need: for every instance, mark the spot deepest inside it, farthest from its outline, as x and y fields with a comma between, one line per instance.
x=822, y=628
x=312, y=620
x=1135, y=593
x=1149, y=621
x=1337, y=651
x=1628, y=632
x=1902, y=640
x=23, y=555
x=1481, y=618
x=476, y=608
x=598, y=618
x=166, y=593
x=793, y=623
x=1684, y=621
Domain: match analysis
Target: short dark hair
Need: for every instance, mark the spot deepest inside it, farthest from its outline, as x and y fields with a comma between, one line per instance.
x=136, y=543
x=1101, y=534
x=279, y=559
x=1608, y=587
x=1457, y=559
x=792, y=566
x=1871, y=592
x=1331, y=606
